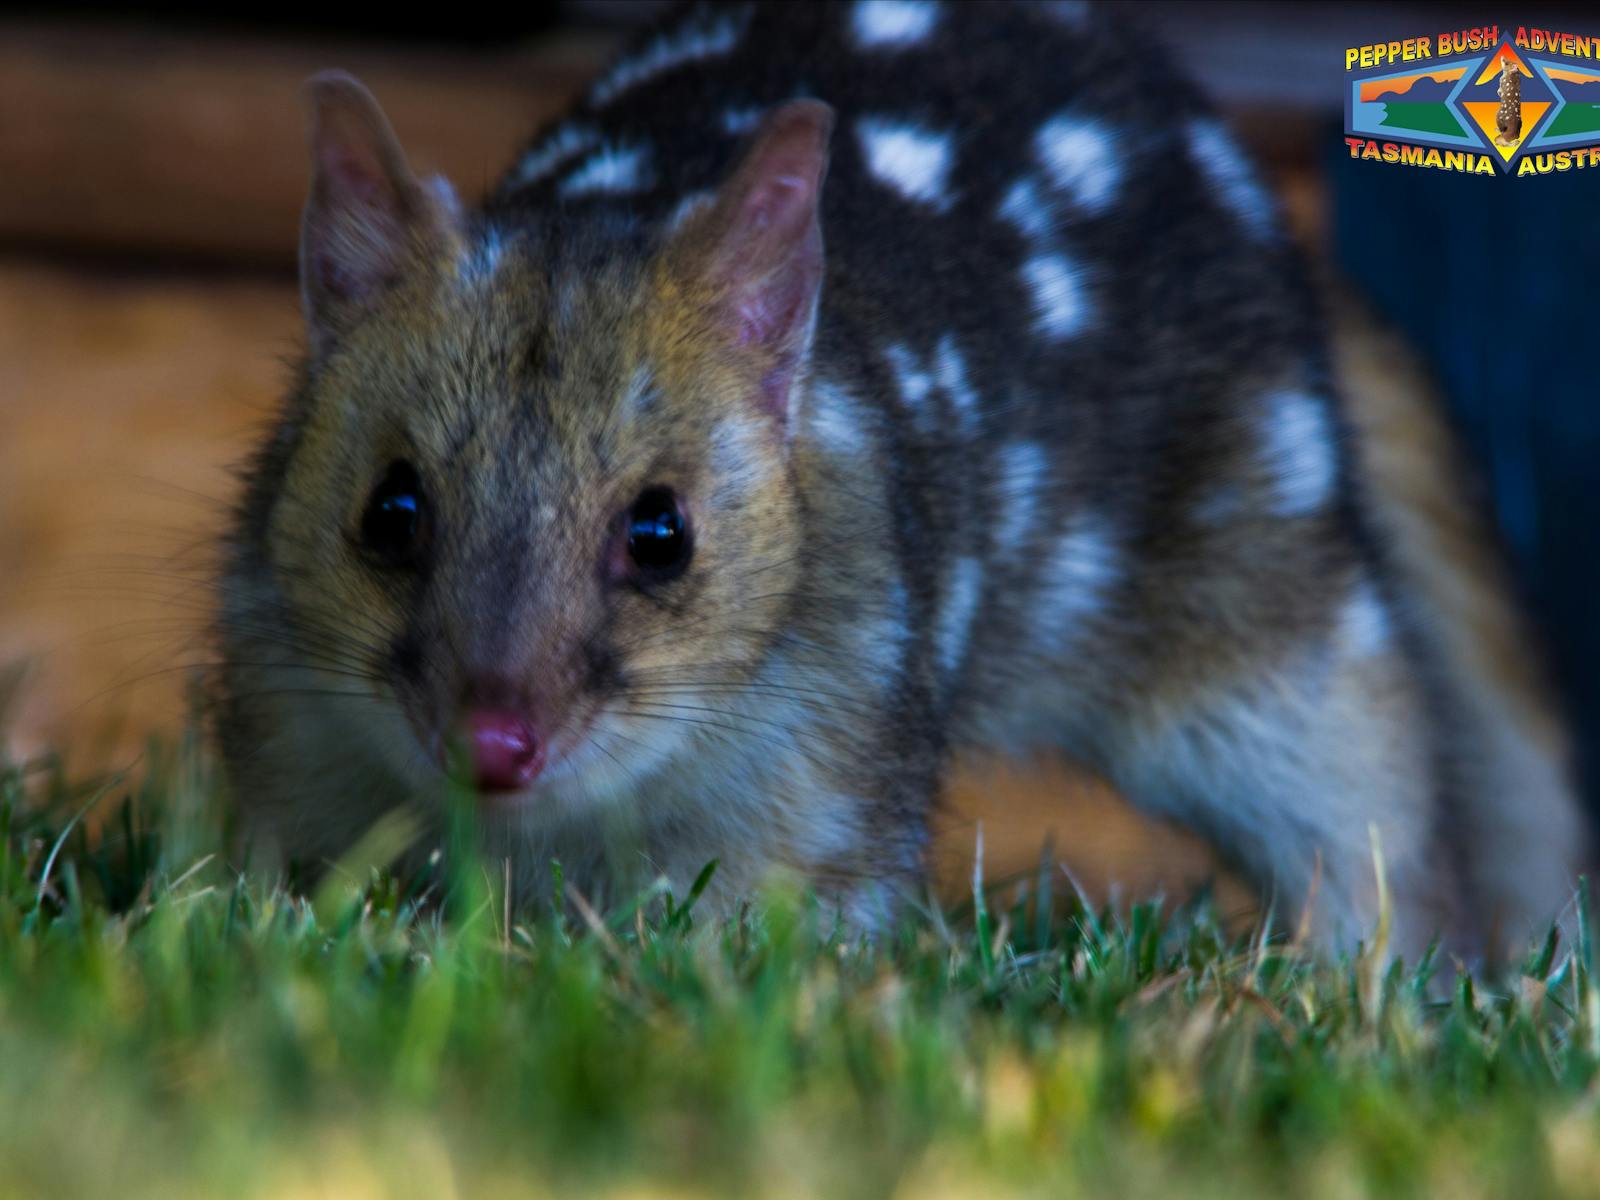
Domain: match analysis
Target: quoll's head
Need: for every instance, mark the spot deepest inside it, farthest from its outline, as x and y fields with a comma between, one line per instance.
x=541, y=505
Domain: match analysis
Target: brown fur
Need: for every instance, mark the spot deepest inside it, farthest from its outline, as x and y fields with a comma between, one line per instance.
x=1517, y=808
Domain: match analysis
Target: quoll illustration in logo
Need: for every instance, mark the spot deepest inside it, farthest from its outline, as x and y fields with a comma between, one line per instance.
x=1509, y=119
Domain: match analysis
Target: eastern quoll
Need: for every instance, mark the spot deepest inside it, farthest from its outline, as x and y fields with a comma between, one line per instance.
x=1508, y=117
x=838, y=389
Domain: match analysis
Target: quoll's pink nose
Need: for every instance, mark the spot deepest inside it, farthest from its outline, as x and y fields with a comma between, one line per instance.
x=507, y=752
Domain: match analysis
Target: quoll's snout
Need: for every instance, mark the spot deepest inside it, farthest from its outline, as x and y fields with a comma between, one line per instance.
x=507, y=751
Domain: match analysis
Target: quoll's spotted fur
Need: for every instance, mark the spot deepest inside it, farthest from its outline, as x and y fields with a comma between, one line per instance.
x=968, y=344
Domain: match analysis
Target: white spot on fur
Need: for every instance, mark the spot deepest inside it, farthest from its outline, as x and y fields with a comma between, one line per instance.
x=1364, y=626
x=833, y=420
x=960, y=605
x=1081, y=570
x=612, y=169
x=686, y=208
x=882, y=641
x=693, y=42
x=561, y=146
x=1024, y=473
x=481, y=260
x=911, y=160
x=915, y=381
x=918, y=379
x=445, y=193
x=875, y=24
x=737, y=122
x=1225, y=166
x=1298, y=446
x=1027, y=210
x=951, y=368
x=1081, y=158
x=1060, y=307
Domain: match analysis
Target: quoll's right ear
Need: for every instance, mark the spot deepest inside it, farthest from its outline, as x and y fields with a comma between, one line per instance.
x=756, y=253
x=367, y=213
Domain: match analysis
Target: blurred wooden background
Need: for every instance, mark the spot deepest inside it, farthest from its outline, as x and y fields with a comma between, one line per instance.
x=151, y=185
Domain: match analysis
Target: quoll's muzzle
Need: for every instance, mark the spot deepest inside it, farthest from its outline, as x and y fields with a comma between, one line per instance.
x=507, y=751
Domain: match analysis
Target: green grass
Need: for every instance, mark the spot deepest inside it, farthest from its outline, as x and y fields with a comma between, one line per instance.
x=1424, y=118
x=1576, y=118
x=170, y=1028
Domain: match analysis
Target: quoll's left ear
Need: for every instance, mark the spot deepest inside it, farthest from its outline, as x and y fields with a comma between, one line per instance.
x=367, y=216
x=757, y=250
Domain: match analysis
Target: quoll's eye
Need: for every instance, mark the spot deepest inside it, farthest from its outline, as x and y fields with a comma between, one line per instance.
x=659, y=544
x=395, y=523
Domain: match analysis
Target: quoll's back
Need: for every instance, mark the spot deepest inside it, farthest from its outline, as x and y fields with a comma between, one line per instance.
x=838, y=388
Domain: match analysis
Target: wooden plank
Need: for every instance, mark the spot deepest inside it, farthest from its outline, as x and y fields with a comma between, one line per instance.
x=165, y=145
x=161, y=147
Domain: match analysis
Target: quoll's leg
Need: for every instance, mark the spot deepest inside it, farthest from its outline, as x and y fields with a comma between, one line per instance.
x=1290, y=770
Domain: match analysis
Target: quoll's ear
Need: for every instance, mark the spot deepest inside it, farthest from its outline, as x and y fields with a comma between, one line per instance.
x=757, y=249
x=366, y=213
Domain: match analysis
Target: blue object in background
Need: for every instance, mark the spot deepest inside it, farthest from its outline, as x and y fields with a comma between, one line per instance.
x=1496, y=282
